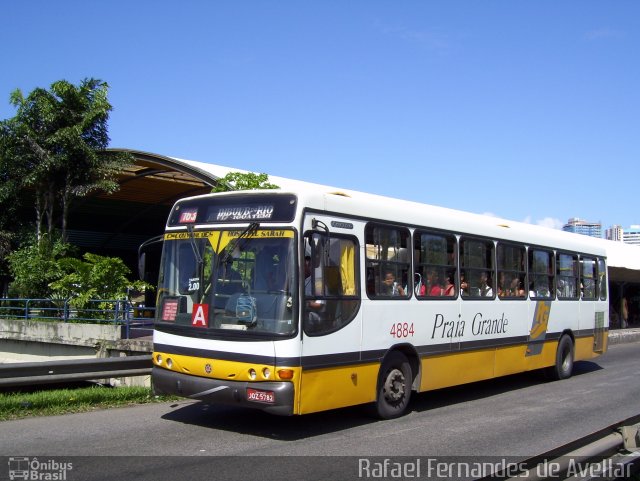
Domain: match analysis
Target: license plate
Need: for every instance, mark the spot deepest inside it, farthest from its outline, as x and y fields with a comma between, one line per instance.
x=260, y=396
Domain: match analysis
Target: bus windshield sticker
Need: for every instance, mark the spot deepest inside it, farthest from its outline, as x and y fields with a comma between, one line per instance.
x=185, y=235
x=170, y=310
x=235, y=327
x=200, y=315
x=188, y=216
x=193, y=284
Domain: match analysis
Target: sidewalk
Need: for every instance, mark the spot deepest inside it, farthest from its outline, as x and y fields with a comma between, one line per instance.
x=620, y=336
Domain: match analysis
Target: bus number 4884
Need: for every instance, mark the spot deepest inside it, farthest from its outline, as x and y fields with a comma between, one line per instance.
x=401, y=329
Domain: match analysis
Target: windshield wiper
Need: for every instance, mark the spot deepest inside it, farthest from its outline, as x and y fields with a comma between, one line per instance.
x=194, y=246
x=234, y=243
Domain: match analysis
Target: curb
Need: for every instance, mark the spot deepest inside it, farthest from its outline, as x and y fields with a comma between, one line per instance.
x=623, y=336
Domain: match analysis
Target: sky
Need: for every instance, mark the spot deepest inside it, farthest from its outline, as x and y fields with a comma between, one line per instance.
x=526, y=110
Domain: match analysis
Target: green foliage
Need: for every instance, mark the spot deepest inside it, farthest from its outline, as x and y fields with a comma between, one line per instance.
x=34, y=266
x=46, y=402
x=55, y=147
x=95, y=277
x=5, y=249
x=243, y=181
x=45, y=270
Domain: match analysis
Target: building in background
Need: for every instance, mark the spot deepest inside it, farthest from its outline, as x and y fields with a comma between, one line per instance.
x=614, y=233
x=631, y=235
x=580, y=226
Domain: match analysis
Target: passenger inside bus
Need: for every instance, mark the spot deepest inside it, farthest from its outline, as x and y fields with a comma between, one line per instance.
x=485, y=285
x=449, y=286
x=464, y=286
x=433, y=287
x=390, y=287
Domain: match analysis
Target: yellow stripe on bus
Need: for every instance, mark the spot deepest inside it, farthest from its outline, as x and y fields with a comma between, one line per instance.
x=220, y=369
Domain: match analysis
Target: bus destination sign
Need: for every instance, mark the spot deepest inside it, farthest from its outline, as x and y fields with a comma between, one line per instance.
x=240, y=212
x=232, y=208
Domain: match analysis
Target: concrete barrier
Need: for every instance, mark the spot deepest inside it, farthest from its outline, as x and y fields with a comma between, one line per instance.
x=29, y=340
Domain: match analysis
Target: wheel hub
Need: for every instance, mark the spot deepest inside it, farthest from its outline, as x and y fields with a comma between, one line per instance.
x=394, y=385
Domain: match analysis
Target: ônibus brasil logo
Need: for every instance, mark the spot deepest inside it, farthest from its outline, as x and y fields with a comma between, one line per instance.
x=21, y=467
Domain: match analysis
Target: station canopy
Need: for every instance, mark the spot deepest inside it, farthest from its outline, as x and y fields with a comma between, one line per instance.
x=116, y=224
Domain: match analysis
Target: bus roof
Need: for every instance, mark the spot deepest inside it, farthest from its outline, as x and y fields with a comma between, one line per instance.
x=385, y=209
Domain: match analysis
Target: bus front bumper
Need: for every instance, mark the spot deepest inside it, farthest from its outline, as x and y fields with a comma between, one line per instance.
x=217, y=391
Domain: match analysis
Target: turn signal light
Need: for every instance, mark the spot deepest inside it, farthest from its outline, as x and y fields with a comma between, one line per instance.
x=285, y=373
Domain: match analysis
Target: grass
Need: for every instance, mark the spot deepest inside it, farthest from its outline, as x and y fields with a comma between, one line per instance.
x=51, y=402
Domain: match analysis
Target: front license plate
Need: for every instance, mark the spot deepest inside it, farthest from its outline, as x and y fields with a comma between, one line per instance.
x=260, y=396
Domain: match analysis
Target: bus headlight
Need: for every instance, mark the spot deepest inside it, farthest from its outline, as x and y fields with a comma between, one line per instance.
x=158, y=359
x=252, y=374
x=266, y=373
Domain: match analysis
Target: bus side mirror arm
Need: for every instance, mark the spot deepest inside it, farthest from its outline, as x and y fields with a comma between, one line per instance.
x=142, y=256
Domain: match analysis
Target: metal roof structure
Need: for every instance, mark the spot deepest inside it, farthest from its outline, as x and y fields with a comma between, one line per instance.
x=116, y=224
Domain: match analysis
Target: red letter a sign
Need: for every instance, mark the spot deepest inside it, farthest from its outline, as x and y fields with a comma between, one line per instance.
x=200, y=315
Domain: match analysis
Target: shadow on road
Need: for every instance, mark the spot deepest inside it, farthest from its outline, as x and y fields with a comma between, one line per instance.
x=258, y=423
x=485, y=389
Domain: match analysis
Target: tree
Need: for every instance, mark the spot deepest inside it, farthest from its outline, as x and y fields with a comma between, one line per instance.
x=95, y=277
x=243, y=181
x=35, y=265
x=55, y=145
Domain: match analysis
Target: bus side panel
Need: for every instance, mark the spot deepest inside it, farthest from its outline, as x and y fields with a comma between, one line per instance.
x=337, y=387
x=564, y=315
x=584, y=348
x=333, y=374
x=540, y=359
x=457, y=368
x=593, y=318
x=510, y=360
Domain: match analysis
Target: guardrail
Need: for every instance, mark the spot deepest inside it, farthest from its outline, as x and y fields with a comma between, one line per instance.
x=610, y=453
x=115, y=311
x=47, y=372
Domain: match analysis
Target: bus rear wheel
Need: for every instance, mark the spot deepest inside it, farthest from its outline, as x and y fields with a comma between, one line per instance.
x=394, y=386
x=564, y=360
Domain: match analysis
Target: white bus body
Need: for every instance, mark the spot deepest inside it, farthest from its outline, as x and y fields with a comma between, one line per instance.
x=248, y=327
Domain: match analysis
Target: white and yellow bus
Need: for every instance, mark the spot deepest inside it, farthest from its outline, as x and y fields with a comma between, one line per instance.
x=302, y=301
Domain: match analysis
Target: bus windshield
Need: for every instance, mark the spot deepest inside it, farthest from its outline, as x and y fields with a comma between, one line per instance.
x=241, y=279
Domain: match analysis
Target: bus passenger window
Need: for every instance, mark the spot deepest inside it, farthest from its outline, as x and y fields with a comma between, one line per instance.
x=476, y=268
x=602, y=280
x=435, y=264
x=511, y=271
x=588, y=278
x=567, y=276
x=388, y=262
x=541, y=274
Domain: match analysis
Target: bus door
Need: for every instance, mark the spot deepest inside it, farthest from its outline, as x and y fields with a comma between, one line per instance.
x=331, y=322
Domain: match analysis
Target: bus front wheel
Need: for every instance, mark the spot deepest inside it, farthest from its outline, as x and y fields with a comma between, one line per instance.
x=394, y=386
x=564, y=360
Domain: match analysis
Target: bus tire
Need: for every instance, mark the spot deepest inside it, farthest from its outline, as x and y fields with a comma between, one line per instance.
x=394, y=386
x=563, y=367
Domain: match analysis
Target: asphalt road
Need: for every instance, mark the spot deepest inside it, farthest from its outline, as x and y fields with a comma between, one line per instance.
x=514, y=417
